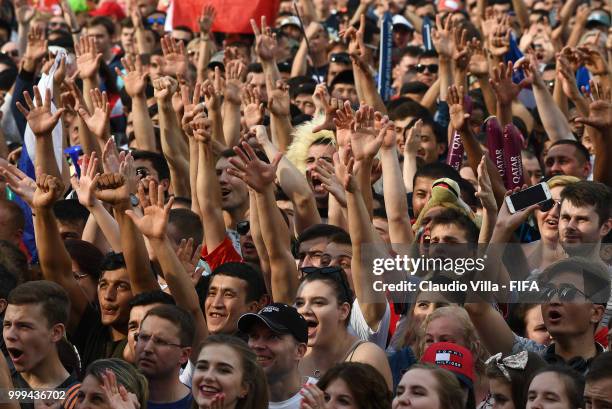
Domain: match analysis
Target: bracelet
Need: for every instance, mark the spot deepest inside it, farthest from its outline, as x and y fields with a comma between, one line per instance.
x=77, y=31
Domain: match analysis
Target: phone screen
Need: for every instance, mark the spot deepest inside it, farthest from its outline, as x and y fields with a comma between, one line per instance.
x=528, y=197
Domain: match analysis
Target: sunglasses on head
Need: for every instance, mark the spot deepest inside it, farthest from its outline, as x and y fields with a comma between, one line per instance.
x=565, y=292
x=334, y=272
x=158, y=20
x=432, y=68
x=341, y=58
x=243, y=227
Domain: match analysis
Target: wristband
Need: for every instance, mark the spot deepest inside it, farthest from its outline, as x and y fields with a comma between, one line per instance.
x=77, y=31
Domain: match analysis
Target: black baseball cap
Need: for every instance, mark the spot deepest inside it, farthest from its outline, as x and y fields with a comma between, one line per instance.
x=280, y=318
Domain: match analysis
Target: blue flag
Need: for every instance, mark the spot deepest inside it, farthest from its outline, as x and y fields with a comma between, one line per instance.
x=386, y=46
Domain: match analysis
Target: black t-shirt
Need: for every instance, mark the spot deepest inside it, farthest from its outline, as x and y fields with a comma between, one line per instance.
x=19, y=382
x=93, y=339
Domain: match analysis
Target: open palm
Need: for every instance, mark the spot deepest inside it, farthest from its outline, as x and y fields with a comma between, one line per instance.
x=365, y=139
x=88, y=59
x=253, y=171
x=39, y=116
x=154, y=221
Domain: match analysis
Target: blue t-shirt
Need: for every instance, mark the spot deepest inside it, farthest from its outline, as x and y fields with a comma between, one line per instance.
x=184, y=403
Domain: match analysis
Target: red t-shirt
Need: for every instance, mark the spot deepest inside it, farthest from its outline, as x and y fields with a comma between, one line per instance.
x=223, y=253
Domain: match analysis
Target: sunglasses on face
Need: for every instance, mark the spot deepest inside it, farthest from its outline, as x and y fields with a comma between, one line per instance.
x=243, y=227
x=565, y=292
x=432, y=68
x=334, y=272
x=549, y=204
x=160, y=20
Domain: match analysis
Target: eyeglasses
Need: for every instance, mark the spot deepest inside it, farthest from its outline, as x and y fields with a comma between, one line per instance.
x=334, y=272
x=57, y=24
x=432, y=68
x=157, y=342
x=160, y=20
x=549, y=204
x=341, y=58
x=566, y=292
x=243, y=227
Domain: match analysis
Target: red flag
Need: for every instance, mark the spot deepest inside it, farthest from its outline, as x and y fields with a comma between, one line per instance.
x=233, y=16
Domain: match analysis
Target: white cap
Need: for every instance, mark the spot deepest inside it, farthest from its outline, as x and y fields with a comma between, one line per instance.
x=398, y=19
x=291, y=21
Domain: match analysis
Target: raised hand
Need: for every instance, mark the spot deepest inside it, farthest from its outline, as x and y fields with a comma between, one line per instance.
x=593, y=59
x=49, y=190
x=459, y=118
x=529, y=65
x=600, y=110
x=20, y=183
x=99, y=120
x=36, y=48
x=463, y=49
x=413, y=140
x=154, y=221
x=175, y=56
x=499, y=40
x=442, y=37
x=113, y=189
x=118, y=397
x=265, y=40
x=88, y=59
x=252, y=170
x=345, y=172
x=344, y=124
x=164, y=88
x=355, y=37
x=253, y=108
x=478, y=65
x=329, y=107
x=111, y=158
x=212, y=92
x=190, y=107
x=567, y=77
x=135, y=77
x=39, y=116
x=207, y=18
x=326, y=173
x=365, y=139
x=509, y=221
x=202, y=131
x=278, y=99
x=234, y=72
x=503, y=86
x=190, y=259
x=485, y=191
x=24, y=13
x=85, y=186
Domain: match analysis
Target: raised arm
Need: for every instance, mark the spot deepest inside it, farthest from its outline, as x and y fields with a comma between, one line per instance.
x=88, y=63
x=234, y=72
x=115, y=189
x=135, y=84
x=208, y=188
x=396, y=204
x=212, y=96
x=174, y=144
x=42, y=122
x=554, y=121
x=154, y=226
x=206, y=45
x=275, y=232
x=55, y=261
x=85, y=188
x=98, y=121
x=599, y=127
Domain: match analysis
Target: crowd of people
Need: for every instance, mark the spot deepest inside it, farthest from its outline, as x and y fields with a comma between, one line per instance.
x=190, y=218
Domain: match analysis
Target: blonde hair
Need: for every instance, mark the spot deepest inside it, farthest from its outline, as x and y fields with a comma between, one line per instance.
x=469, y=334
x=562, y=181
x=303, y=138
x=127, y=375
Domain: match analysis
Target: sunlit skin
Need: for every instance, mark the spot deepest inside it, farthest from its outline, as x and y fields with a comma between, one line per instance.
x=310, y=252
x=225, y=303
x=444, y=329
x=316, y=152
x=114, y=295
x=534, y=326
x=580, y=228
x=92, y=396
x=562, y=160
